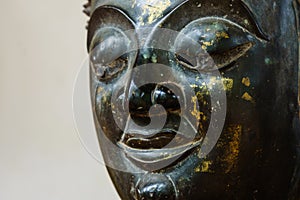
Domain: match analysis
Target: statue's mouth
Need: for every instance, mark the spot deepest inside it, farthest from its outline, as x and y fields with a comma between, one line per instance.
x=158, y=141
x=163, y=146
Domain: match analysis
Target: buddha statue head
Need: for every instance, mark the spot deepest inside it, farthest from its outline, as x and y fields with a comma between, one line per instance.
x=196, y=99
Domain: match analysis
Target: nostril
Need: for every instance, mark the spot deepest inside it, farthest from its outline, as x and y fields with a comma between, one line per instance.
x=140, y=104
x=167, y=97
x=142, y=99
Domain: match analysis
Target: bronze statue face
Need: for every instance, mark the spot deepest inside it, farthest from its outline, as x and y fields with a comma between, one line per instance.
x=253, y=46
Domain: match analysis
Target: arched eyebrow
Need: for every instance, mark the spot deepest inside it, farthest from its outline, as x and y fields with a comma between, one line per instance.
x=233, y=10
x=140, y=12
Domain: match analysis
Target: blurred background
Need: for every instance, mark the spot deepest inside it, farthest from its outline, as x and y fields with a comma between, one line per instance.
x=42, y=46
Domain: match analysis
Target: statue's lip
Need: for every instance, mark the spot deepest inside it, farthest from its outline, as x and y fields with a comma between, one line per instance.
x=132, y=145
x=166, y=138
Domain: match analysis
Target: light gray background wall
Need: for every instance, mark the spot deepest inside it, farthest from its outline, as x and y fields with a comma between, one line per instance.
x=42, y=45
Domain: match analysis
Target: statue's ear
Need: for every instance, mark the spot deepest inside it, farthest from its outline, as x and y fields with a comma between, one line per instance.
x=107, y=16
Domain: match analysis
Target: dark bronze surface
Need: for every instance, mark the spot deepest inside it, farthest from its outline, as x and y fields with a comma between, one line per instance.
x=258, y=153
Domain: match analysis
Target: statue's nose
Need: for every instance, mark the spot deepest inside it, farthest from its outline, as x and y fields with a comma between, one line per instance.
x=154, y=75
x=146, y=96
x=155, y=103
x=156, y=127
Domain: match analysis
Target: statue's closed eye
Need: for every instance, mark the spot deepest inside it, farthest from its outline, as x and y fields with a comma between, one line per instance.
x=109, y=42
x=211, y=43
x=106, y=47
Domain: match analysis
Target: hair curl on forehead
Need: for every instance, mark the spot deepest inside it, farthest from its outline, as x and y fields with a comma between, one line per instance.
x=87, y=8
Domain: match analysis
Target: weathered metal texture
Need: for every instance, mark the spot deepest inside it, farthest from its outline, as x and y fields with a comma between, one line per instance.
x=257, y=155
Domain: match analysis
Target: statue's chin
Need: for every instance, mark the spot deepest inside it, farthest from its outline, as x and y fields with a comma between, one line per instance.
x=155, y=186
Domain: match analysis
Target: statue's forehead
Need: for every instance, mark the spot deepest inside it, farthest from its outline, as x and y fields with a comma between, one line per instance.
x=148, y=12
x=144, y=12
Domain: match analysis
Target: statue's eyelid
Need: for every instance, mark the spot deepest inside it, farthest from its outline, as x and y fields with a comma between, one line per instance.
x=219, y=19
x=221, y=57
